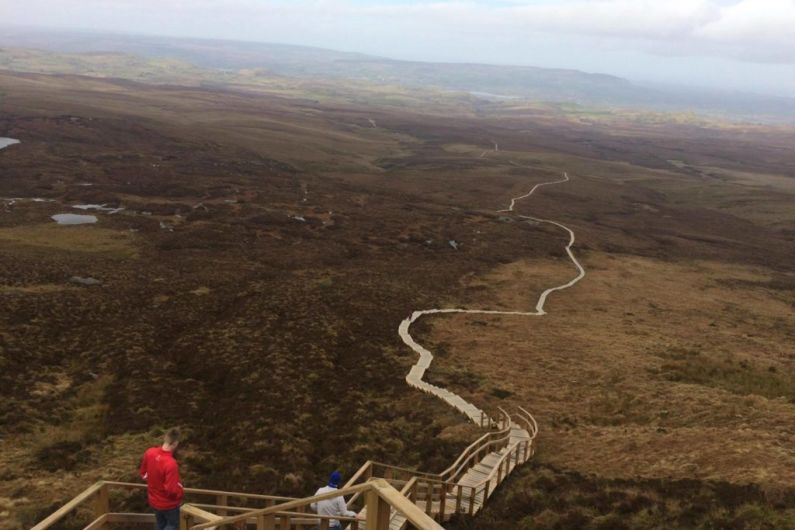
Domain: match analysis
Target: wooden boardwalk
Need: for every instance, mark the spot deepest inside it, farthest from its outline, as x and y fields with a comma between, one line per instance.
x=387, y=496
x=482, y=478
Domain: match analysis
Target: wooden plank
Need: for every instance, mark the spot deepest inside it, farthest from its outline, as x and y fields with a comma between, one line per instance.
x=480, y=469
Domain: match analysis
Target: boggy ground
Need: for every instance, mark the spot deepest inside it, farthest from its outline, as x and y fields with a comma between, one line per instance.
x=665, y=376
x=271, y=244
x=245, y=295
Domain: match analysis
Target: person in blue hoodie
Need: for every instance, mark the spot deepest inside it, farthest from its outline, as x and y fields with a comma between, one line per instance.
x=335, y=506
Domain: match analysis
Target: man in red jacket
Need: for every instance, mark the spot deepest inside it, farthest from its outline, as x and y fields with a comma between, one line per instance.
x=159, y=470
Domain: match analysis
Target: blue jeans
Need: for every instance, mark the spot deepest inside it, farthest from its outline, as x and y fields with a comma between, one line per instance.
x=167, y=519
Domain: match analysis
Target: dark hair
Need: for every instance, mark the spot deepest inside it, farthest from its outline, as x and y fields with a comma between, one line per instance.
x=172, y=436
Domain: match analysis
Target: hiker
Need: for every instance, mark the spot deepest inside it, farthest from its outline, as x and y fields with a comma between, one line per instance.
x=333, y=506
x=165, y=492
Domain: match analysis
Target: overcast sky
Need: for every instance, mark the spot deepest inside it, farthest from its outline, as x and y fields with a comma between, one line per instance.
x=735, y=44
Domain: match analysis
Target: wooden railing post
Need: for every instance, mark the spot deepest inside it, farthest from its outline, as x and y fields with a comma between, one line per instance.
x=222, y=500
x=284, y=522
x=472, y=498
x=429, y=498
x=442, y=502
x=101, y=504
x=266, y=522
x=324, y=524
x=185, y=521
x=459, y=494
x=378, y=511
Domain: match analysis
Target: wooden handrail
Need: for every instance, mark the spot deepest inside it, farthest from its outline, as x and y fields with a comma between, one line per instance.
x=529, y=417
x=440, y=477
x=482, y=447
x=361, y=471
x=308, y=515
x=472, y=446
x=198, y=491
x=412, y=472
x=98, y=523
x=446, y=476
x=367, y=467
x=289, y=505
x=529, y=426
x=465, y=452
x=305, y=515
x=70, y=506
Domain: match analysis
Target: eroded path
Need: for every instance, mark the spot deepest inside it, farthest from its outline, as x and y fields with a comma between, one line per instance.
x=417, y=372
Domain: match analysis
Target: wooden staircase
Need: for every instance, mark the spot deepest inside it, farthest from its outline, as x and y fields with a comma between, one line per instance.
x=466, y=485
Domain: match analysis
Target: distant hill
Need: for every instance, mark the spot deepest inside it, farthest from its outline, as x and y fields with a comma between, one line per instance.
x=487, y=81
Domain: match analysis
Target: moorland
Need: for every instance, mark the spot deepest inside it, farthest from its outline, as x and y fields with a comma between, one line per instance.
x=273, y=232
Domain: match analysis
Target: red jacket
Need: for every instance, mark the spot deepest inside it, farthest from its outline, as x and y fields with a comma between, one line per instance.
x=159, y=470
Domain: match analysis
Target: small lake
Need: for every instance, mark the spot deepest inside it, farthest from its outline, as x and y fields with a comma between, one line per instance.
x=74, y=219
x=5, y=142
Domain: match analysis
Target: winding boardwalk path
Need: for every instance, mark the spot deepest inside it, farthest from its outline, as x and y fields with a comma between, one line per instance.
x=417, y=372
